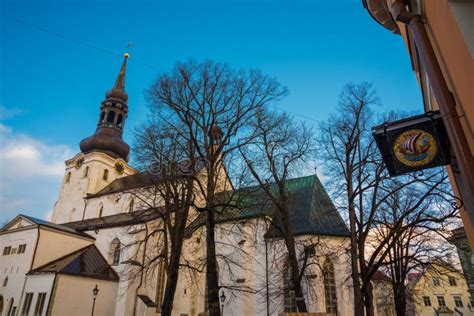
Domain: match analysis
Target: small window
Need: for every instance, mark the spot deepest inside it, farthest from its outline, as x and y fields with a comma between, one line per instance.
x=110, y=117
x=130, y=206
x=427, y=300
x=7, y=250
x=27, y=304
x=452, y=281
x=458, y=301
x=441, y=301
x=40, y=304
x=22, y=248
x=115, y=251
x=119, y=120
x=102, y=116
x=5, y=281
x=86, y=171
x=105, y=176
x=68, y=177
x=436, y=282
x=101, y=211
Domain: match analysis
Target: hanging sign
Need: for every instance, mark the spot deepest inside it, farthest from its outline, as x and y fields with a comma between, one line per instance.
x=412, y=144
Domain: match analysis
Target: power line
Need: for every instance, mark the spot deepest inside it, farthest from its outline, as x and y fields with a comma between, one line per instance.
x=79, y=42
x=110, y=52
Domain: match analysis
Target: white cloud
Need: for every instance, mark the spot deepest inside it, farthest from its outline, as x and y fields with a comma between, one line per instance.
x=8, y=113
x=30, y=174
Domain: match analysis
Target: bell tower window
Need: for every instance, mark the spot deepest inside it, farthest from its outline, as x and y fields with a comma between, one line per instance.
x=110, y=117
x=119, y=120
x=102, y=116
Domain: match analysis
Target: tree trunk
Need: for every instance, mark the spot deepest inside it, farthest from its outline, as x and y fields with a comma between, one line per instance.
x=368, y=299
x=400, y=300
x=293, y=260
x=173, y=268
x=211, y=267
x=358, y=301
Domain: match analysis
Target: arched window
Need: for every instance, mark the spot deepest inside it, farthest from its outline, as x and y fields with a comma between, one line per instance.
x=68, y=177
x=330, y=287
x=72, y=215
x=115, y=252
x=160, y=285
x=86, y=172
x=101, y=210
x=119, y=120
x=105, y=176
x=110, y=117
x=130, y=206
x=102, y=116
x=5, y=281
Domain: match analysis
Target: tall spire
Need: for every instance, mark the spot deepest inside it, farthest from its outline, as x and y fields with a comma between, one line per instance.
x=113, y=113
x=118, y=90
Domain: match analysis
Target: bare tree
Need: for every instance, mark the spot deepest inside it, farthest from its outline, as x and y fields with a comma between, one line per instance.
x=418, y=245
x=161, y=199
x=210, y=105
x=279, y=151
x=362, y=185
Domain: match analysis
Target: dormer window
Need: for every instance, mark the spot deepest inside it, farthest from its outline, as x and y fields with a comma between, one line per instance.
x=105, y=176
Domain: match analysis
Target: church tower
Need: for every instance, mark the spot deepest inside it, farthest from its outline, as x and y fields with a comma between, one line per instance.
x=103, y=158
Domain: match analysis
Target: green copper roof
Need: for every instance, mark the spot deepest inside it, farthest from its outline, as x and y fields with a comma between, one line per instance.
x=311, y=209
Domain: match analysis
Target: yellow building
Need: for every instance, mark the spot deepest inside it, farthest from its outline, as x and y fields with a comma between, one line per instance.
x=440, y=290
x=439, y=36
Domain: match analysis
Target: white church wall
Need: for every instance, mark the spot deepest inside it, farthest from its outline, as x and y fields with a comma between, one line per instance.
x=39, y=284
x=15, y=265
x=125, y=288
x=78, y=183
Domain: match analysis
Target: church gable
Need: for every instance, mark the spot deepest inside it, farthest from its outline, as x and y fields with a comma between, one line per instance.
x=20, y=221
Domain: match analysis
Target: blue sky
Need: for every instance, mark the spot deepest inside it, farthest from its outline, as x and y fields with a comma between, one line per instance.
x=58, y=58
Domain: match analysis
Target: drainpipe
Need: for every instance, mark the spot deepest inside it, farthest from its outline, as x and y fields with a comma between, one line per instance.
x=266, y=278
x=446, y=103
x=135, y=301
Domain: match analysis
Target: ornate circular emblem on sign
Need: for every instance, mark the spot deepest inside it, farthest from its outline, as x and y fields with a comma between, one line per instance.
x=119, y=167
x=415, y=148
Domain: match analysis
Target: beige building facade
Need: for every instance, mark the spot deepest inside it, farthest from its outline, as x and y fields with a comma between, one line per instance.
x=440, y=290
x=439, y=38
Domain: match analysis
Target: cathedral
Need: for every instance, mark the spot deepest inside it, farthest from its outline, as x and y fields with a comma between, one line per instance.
x=92, y=259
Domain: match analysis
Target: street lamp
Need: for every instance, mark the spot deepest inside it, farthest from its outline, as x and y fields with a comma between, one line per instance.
x=223, y=297
x=95, y=291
